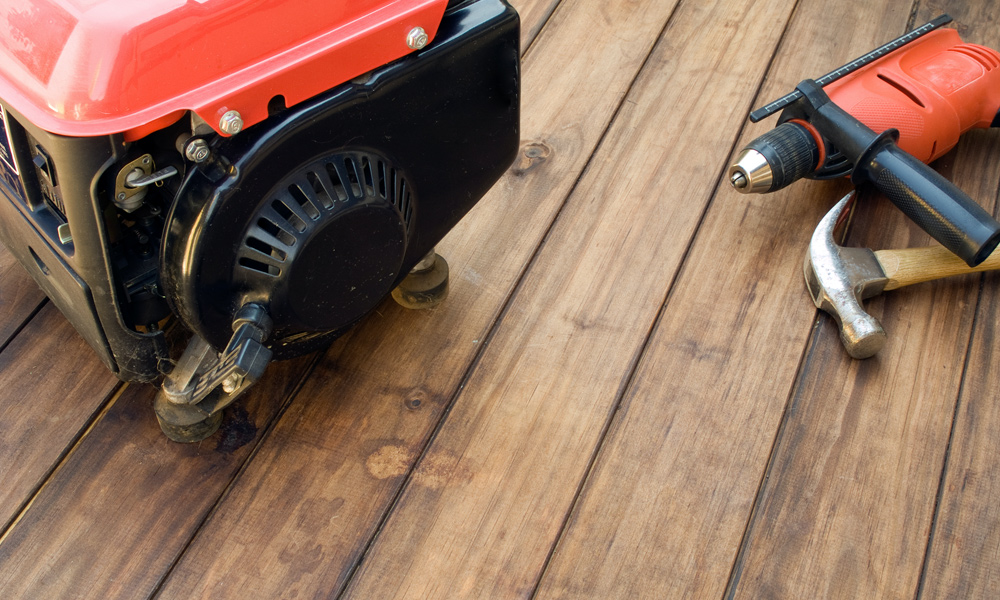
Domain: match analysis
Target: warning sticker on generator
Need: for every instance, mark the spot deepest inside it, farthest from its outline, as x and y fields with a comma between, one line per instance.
x=8, y=166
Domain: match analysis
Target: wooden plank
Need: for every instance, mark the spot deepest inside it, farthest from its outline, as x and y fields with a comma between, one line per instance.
x=283, y=529
x=850, y=496
x=963, y=558
x=488, y=499
x=51, y=385
x=20, y=296
x=122, y=506
x=667, y=502
x=534, y=15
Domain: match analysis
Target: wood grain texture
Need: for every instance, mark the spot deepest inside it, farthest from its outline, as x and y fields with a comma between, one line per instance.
x=519, y=439
x=534, y=15
x=285, y=530
x=664, y=510
x=20, y=296
x=51, y=386
x=909, y=266
x=965, y=547
x=849, y=499
x=122, y=506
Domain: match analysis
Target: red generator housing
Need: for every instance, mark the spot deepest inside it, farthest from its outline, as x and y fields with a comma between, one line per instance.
x=263, y=174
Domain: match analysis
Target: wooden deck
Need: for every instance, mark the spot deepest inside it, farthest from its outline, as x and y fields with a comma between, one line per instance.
x=627, y=395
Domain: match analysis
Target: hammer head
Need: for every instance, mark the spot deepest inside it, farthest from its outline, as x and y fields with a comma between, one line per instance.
x=839, y=279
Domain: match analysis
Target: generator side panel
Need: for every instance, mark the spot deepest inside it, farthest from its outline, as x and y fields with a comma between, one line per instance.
x=52, y=221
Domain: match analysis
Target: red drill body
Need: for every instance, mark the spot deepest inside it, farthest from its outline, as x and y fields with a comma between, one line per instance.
x=932, y=91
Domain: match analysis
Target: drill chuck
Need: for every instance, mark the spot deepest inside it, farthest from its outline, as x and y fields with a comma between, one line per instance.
x=784, y=154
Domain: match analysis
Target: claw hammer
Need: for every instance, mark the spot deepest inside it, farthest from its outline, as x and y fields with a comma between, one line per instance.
x=839, y=278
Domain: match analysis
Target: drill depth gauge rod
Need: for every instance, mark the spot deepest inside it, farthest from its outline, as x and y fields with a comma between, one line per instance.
x=880, y=118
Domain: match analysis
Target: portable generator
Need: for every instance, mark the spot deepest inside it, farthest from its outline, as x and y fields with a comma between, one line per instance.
x=257, y=174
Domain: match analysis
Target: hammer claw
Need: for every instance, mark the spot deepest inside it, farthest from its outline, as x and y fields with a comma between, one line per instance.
x=839, y=278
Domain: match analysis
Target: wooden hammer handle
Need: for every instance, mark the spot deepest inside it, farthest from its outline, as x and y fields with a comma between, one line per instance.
x=907, y=266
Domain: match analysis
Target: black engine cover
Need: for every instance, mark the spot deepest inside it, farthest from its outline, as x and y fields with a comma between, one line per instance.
x=318, y=212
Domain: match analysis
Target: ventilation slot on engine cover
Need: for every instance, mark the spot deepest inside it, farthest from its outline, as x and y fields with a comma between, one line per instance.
x=305, y=200
x=269, y=257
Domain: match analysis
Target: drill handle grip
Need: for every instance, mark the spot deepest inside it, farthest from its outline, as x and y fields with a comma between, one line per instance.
x=934, y=203
x=938, y=206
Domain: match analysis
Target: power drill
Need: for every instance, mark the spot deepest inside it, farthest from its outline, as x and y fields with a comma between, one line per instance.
x=880, y=118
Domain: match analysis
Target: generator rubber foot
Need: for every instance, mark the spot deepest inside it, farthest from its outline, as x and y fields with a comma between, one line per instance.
x=185, y=423
x=426, y=286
